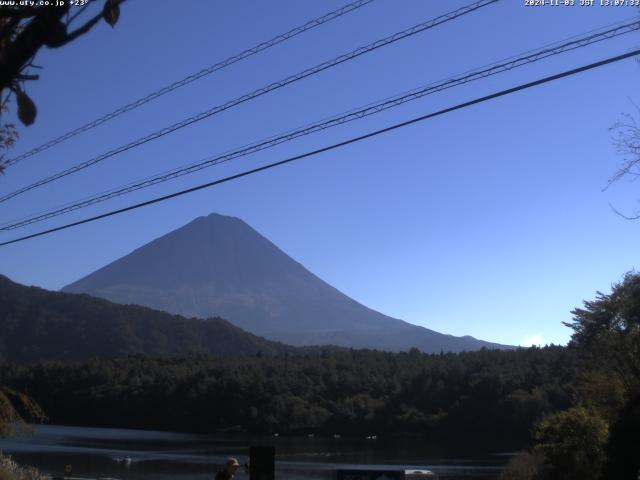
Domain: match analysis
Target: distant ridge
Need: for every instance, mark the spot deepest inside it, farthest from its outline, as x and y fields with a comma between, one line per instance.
x=220, y=266
x=40, y=325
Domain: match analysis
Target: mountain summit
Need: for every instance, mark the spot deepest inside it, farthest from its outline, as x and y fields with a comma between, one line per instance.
x=218, y=266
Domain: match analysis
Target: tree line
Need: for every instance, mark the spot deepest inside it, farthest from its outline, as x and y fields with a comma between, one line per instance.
x=488, y=396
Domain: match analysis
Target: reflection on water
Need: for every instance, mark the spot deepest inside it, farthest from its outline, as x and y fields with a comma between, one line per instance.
x=158, y=455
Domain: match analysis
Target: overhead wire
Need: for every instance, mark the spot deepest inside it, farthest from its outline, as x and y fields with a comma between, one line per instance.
x=471, y=75
x=192, y=78
x=335, y=146
x=257, y=93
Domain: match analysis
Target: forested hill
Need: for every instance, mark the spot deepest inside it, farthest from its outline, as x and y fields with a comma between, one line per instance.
x=37, y=324
x=488, y=397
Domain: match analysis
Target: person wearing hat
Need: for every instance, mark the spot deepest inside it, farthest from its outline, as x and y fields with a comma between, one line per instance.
x=230, y=469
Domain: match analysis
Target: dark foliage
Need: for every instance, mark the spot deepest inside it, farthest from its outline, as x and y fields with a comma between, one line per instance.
x=37, y=324
x=623, y=448
x=488, y=396
x=25, y=29
x=491, y=395
x=607, y=339
x=16, y=409
x=597, y=438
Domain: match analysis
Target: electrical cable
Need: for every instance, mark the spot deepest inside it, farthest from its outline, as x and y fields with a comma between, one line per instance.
x=334, y=146
x=371, y=109
x=257, y=93
x=193, y=77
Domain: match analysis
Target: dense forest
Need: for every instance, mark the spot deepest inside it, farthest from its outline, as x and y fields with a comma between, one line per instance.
x=492, y=396
x=38, y=324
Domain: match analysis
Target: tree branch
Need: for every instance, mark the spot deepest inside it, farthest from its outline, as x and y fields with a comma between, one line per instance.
x=19, y=52
x=86, y=27
x=81, y=30
x=617, y=212
x=78, y=13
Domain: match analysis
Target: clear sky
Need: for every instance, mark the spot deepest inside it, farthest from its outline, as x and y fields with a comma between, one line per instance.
x=490, y=221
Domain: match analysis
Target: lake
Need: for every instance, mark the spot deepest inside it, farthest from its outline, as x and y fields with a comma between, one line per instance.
x=161, y=455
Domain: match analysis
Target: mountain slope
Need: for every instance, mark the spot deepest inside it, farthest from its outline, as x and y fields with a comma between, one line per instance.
x=220, y=266
x=37, y=324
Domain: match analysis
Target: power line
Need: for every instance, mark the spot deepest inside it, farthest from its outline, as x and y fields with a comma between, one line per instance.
x=371, y=109
x=335, y=145
x=193, y=77
x=261, y=91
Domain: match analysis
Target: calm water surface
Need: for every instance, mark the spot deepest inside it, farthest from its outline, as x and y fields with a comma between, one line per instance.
x=162, y=455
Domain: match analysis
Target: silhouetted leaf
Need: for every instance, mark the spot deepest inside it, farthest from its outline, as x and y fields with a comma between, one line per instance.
x=111, y=12
x=27, y=110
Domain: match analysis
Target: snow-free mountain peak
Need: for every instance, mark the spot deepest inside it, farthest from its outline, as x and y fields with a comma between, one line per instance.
x=219, y=266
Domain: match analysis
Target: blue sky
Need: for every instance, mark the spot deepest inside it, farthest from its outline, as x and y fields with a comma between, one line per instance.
x=491, y=221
